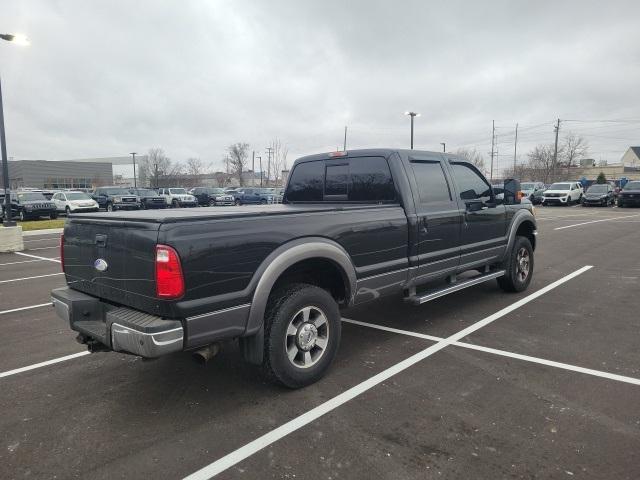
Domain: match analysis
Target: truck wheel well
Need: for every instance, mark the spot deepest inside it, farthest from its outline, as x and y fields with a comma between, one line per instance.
x=526, y=229
x=320, y=272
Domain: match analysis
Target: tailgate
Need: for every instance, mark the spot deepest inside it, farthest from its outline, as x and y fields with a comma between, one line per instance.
x=113, y=260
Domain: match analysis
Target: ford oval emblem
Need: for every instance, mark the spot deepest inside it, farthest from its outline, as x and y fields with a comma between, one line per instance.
x=100, y=265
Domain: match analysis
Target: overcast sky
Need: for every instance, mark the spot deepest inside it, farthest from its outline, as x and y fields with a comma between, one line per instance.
x=106, y=78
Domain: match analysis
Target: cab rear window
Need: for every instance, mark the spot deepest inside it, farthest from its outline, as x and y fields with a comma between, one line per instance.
x=360, y=179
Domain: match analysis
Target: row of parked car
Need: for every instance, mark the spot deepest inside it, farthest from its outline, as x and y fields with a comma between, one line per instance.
x=34, y=204
x=568, y=193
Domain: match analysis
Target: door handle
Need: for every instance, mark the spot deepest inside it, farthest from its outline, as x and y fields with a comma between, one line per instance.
x=424, y=223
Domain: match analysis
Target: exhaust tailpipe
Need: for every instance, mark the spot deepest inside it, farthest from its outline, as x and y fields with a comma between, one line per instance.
x=205, y=354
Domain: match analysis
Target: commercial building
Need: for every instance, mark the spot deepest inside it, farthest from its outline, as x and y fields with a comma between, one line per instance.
x=59, y=174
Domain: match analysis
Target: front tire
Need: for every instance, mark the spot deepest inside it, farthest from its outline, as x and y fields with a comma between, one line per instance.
x=301, y=335
x=67, y=211
x=175, y=204
x=518, y=266
x=110, y=207
x=238, y=203
x=53, y=216
x=22, y=216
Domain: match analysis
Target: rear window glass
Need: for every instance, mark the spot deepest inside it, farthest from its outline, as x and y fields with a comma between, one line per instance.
x=360, y=179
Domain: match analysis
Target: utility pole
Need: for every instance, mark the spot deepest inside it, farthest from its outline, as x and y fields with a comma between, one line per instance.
x=515, y=151
x=555, y=153
x=155, y=174
x=135, y=181
x=444, y=147
x=493, y=138
x=253, y=168
x=260, y=160
x=344, y=145
x=269, y=150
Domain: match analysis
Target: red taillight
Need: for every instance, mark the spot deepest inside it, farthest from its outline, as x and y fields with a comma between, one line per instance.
x=62, y=251
x=169, y=279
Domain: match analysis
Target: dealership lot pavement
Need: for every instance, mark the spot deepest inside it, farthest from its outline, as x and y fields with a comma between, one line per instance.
x=461, y=387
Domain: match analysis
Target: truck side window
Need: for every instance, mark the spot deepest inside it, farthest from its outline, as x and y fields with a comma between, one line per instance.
x=470, y=184
x=432, y=184
x=371, y=180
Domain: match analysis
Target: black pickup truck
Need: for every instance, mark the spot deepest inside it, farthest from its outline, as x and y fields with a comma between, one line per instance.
x=353, y=226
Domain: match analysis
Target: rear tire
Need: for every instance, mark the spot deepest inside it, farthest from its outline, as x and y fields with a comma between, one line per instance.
x=238, y=203
x=301, y=335
x=67, y=211
x=212, y=203
x=518, y=266
x=53, y=216
x=175, y=204
x=22, y=216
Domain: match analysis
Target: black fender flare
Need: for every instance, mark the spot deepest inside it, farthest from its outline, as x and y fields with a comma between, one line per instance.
x=285, y=256
x=520, y=217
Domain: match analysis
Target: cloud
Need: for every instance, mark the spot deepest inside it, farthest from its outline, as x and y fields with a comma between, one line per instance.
x=102, y=79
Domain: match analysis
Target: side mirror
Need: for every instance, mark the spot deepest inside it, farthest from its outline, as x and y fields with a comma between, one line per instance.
x=511, y=191
x=468, y=195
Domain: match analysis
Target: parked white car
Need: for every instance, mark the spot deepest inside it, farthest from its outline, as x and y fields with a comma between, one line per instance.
x=563, y=193
x=177, y=197
x=74, y=202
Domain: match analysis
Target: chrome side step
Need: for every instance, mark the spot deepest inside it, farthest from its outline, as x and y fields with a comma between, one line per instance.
x=440, y=292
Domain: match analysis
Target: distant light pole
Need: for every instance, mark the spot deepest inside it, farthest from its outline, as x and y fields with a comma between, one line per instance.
x=135, y=182
x=444, y=147
x=8, y=221
x=412, y=115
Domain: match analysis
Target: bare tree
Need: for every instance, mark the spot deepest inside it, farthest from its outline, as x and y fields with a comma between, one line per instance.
x=473, y=156
x=194, y=166
x=279, y=158
x=540, y=163
x=573, y=148
x=159, y=169
x=238, y=156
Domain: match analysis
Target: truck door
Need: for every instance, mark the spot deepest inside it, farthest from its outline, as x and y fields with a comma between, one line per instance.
x=438, y=219
x=483, y=235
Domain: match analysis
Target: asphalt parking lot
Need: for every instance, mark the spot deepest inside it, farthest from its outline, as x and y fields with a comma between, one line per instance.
x=477, y=384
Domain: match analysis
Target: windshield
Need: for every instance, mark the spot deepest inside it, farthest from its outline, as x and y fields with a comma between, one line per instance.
x=632, y=186
x=178, y=191
x=217, y=190
x=31, y=197
x=527, y=186
x=116, y=191
x=77, y=196
x=597, y=189
x=560, y=186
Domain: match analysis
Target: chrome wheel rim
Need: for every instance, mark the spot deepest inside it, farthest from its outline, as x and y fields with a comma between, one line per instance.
x=307, y=337
x=523, y=264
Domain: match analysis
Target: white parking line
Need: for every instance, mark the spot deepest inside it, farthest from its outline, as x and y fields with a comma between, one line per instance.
x=31, y=278
x=43, y=248
x=595, y=221
x=25, y=308
x=267, y=439
x=504, y=353
x=57, y=239
x=54, y=259
x=43, y=364
x=22, y=261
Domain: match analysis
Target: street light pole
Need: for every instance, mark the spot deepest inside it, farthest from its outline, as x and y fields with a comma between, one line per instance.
x=135, y=181
x=444, y=147
x=412, y=115
x=8, y=221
